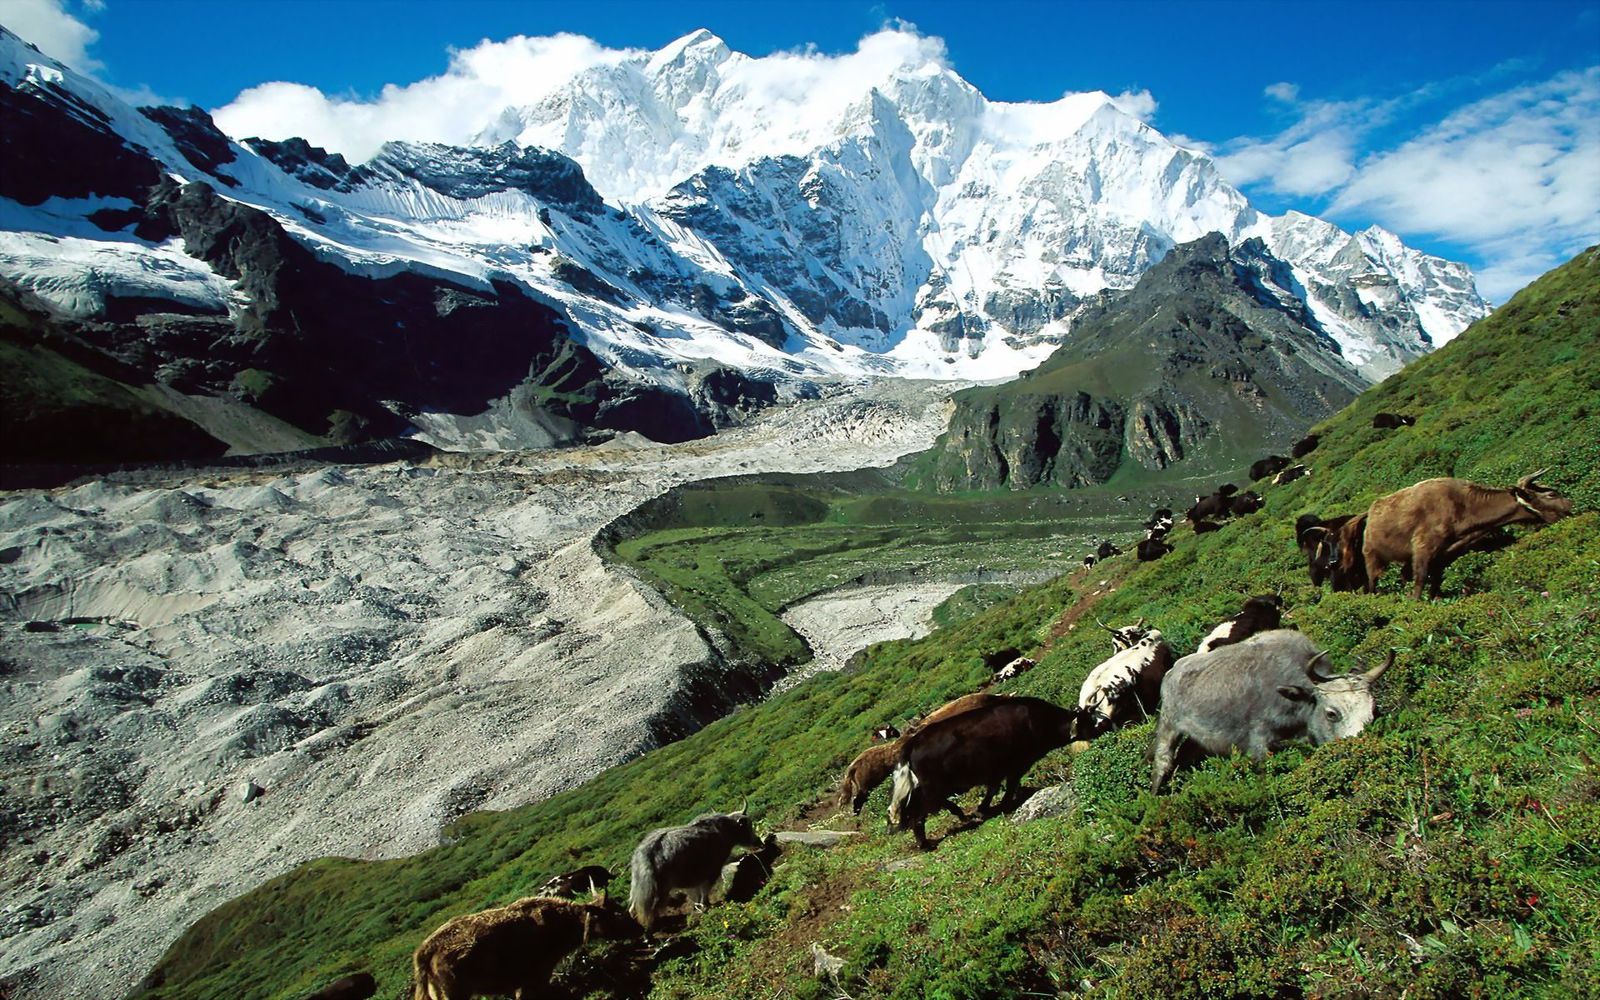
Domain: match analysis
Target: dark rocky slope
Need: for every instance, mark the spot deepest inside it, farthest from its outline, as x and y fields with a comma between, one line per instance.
x=1208, y=362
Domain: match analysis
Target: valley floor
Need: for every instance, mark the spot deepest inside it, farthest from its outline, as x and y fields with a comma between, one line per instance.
x=362, y=653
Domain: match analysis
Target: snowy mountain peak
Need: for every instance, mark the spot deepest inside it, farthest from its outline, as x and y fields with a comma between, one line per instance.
x=796, y=216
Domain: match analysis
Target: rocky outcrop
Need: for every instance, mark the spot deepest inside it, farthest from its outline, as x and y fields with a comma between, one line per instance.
x=55, y=145
x=197, y=138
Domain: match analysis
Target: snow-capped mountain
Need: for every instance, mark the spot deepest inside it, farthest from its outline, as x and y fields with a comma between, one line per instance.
x=923, y=221
x=695, y=209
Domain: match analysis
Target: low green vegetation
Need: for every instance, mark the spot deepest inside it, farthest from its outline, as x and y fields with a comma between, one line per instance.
x=734, y=555
x=1449, y=851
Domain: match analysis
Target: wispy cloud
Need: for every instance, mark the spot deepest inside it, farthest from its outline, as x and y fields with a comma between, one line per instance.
x=49, y=25
x=1283, y=91
x=1514, y=177
x=1141, y=104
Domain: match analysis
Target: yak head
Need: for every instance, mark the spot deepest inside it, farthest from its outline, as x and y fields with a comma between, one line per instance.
x=1339, y=705
x=1545, y=503
x=607, y=920
x=1126, y=637
x=744, y=828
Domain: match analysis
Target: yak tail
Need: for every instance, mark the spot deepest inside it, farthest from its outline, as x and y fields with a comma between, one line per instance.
x=905, y=782
x=426, y=988
x=643, y=893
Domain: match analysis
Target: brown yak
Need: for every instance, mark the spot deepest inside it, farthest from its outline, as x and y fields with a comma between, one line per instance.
x=875, y=763
x=510, y=949
x=1424, y=525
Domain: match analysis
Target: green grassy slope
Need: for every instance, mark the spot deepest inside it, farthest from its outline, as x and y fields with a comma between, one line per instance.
x=734, y=555
x=1449, y=851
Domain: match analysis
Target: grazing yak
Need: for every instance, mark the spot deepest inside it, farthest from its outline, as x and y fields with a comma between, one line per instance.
x=1245, y=503
x=1331, y=552
x=1215, y=505
x=1128, y=682
x=1201, y=527
x=589, y=878
x=1256, y=696
x=688, y=857
x=746, y=876
x=510, y=949
x=876, y=763
x=1269, y=466
x=992, y=746
x=1152, y=549
x=883, y=734
x=1389, y=421
x=1107, y=550
x=1259, y=614
x=1304, y=446
x=1011, y=671
x=1428, y=525
x=1127, y=636
x=1290, y=474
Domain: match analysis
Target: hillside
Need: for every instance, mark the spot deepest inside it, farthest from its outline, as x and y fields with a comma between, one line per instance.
x=1446, y=852
x=1208, y=363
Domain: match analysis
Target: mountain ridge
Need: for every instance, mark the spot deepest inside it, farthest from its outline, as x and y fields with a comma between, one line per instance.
x=931, y=233
x=1210, y=361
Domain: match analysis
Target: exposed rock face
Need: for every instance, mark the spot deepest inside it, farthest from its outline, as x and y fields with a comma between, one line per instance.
x=1208, y=359
x=55, y=145
x=197, y=138
x=306, y=163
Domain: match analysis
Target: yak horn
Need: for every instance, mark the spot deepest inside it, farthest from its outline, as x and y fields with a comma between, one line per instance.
x=744, y=806
x=1103, y=625
x=1528, y=480
x=1139, y=623
x=1311, y=668
x=1376, y=672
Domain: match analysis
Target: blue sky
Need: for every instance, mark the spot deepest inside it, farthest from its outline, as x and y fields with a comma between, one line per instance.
x=1470, y=128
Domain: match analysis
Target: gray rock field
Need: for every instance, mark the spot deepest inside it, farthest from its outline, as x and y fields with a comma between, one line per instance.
x=210, y=680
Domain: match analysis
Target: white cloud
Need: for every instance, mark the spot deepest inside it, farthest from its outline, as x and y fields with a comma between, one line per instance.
x=1283, y=91
x=47, y=24
x=799, y=88
x=444, y=108
x=1141, y=104
x=1515, y=175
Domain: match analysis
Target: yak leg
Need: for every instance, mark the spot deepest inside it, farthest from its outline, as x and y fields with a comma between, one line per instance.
x=920, y=830
x=1423, y=567
x=955, y=810
x=1375, y=568
x=1008, y=801
x=986, y=804
x=1166, y=754
x=698, y=896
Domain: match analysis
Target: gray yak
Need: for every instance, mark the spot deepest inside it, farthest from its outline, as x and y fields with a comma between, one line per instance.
x=688, y=857
x=992, y=746
x=510, y=949
x=1424, y=527
x=1256, y=696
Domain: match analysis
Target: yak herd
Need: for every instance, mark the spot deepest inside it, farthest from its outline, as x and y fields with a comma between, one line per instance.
x=1251, y=686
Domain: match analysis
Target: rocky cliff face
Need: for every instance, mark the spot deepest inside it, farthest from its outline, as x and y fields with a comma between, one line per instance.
x=1207, y=363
